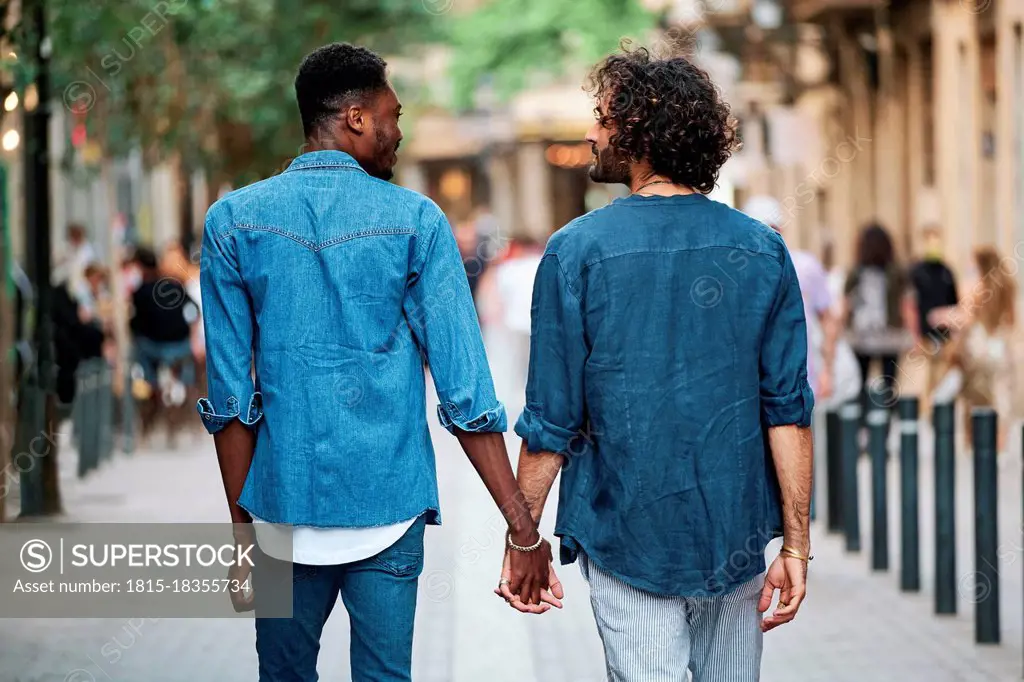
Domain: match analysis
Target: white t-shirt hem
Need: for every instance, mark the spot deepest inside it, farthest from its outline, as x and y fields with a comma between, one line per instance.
x=326, y=546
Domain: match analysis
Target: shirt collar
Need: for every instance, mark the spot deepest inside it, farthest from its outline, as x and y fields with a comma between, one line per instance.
x=327, y=158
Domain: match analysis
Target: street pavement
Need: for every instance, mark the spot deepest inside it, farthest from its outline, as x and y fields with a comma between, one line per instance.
x=855, y=626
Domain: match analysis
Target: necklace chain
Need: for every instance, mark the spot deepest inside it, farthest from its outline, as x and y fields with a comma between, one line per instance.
x=652, y=182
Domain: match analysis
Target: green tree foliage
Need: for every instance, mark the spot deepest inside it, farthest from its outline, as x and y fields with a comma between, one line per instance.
x=509, y=42
x=209, y=79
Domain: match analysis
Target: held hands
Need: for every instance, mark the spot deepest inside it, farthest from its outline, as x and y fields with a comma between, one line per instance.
x=788, y=575
x=528, y=580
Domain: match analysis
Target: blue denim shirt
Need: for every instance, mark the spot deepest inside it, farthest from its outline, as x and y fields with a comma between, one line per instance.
x=668, y=332
x=321, y=288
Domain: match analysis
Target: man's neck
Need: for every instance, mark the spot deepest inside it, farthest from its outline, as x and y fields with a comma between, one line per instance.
x=646, y=181
x=325, y=144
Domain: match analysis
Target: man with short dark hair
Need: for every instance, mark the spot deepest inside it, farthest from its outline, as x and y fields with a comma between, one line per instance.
x=329, y=283
x=934, y=287
x=668, y=337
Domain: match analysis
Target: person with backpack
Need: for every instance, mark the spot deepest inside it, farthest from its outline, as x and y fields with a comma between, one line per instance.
x=880, y=314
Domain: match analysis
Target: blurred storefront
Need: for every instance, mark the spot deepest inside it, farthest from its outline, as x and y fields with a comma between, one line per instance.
x=525, y=162
x=910, y=112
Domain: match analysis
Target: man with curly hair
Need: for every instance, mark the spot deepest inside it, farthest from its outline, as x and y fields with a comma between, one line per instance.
x=668, y=384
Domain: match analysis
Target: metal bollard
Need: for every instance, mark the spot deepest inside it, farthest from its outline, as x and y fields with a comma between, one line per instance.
x=833, y=471
x=85, y=412
x=849, y=416
x=96, y=427
x=878, y=428
x=105, y=403
x=910, y=546
x=945, y=508
x=986, y=527
x=76, y=415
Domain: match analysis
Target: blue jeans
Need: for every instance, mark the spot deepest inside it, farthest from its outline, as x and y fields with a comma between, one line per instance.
x=379, y=594
x=152, y=354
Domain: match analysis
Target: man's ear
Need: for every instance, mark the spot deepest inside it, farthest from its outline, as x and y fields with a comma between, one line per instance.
x=354, y=118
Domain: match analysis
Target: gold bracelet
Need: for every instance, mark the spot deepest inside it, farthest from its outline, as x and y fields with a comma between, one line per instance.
x=792, y=553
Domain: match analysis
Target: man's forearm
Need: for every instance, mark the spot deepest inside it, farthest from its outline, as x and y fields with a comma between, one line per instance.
x=536, y=474
x=792, y=451
x=486, y=451
x=235, y=444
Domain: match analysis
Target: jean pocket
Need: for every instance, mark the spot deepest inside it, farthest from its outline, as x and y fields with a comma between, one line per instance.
x=304, y=572
x=400, y=564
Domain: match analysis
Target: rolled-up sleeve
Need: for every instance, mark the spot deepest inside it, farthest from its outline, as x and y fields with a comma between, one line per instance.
x=229, y=325
x=786, y=396
x=555, y=405
x=443, y=319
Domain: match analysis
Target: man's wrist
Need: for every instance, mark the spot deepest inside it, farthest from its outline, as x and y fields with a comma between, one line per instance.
x=525, y=537
x=801, y=544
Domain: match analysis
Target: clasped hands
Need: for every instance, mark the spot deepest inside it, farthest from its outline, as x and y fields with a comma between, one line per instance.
x=528, y=581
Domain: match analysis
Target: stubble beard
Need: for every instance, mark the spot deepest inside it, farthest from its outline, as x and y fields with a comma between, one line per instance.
x=608, y=167
x=386, y=153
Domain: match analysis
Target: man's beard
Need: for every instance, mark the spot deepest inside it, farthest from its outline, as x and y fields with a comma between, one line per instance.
x=384, y=156
x=609, y=167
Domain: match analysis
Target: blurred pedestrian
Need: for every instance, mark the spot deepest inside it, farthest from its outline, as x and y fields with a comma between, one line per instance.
x=468, y=240
x=161, y=309
x=76, y=339
x=95, y=305
x=836, y=277
x=880, y=318
x=822, y=324
x=513, y=284
x=176, y=263
x=984, y=322
x=98, y=308
x=332, y=283
x=669, y=345
x=934, y=288
x=78, y=255
x=488, y=233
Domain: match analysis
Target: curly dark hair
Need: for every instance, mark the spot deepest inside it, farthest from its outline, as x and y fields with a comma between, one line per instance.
x=666, y=112
x=332, y=74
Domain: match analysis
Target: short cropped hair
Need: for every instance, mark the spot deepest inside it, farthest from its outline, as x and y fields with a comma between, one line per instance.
x=331, y=76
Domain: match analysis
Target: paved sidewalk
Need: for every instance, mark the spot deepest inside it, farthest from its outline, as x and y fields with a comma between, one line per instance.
x=855, y=626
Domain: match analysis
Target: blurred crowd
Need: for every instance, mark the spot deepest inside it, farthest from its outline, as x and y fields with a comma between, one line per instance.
x=889, y=326
x=159, y=355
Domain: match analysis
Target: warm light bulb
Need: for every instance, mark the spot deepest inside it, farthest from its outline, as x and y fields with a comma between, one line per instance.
x=11, y=102
x=11, y=140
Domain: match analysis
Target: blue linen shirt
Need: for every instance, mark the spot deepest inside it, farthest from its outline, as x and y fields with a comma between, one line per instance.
x=668, y=333
x=322, y=287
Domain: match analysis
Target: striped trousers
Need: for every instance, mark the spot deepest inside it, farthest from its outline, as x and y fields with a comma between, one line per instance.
x=654, y=638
